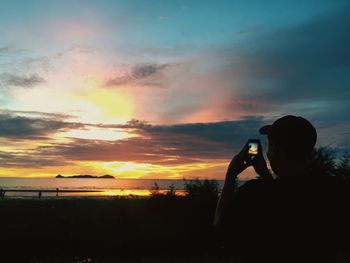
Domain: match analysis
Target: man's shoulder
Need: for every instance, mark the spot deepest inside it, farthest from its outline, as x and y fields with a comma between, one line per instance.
x=256, y=184
x=255, y=189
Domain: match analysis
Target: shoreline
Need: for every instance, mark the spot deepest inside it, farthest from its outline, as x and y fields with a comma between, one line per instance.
x=70, y=198
x=85, y=194
x=50, y=191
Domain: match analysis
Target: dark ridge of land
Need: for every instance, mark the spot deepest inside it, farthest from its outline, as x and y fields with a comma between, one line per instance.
x=87, y=176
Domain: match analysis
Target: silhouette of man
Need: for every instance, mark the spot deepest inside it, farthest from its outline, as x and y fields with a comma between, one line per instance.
x=294, y=217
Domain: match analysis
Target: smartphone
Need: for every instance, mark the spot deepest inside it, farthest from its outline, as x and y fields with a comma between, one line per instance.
x=253, y=148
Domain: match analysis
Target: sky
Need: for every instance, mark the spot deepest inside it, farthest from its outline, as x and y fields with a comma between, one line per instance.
x=164, y=89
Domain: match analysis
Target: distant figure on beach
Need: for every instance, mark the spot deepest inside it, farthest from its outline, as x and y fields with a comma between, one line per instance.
x=39, y=194
x=2, y=193
x=57, y=190
x=295, y=217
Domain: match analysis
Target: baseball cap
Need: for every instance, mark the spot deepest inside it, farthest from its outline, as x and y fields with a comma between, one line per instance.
x=295, y=134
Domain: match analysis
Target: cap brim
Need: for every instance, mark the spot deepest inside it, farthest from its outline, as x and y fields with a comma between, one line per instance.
x=265, y=129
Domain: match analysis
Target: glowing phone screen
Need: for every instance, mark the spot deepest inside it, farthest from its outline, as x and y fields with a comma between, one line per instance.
x=253, y=148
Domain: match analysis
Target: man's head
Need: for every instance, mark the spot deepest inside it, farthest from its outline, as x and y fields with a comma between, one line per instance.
x=291, y=140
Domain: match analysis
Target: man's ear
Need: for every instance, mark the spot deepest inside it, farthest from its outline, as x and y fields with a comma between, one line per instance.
x=271, y=149
x=281, y=154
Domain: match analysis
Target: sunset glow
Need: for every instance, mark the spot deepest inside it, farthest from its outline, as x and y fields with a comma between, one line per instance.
x=159, y=90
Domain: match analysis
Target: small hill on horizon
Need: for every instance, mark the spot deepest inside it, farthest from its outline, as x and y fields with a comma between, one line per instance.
x=87, y=176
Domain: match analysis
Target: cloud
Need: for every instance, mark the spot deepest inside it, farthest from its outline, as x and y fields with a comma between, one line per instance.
x=37, y=114
x=26, y=81
x=231, y=133
x=164, y=145
x=307, y=63
x=41, y=64
x=29, y=159
x=139, y=74
x=5, y=49
x=19, y=127
x=76, y=48
x=301, y=69
x=9, y=50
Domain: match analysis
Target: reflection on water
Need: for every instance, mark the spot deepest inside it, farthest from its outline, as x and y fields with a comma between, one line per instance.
x=130, y=192
x=102, y=187
x=88, y=184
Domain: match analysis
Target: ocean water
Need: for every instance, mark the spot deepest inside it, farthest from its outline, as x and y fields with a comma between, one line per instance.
x=69, y=187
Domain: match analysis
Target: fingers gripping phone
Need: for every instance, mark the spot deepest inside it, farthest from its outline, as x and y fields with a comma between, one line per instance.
x=253, y=148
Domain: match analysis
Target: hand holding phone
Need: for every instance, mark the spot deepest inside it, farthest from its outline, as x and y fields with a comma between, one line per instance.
x=257, y=159
x=250, y=155
x=253, y=148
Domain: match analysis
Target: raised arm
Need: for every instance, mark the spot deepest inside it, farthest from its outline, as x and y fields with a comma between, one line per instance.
x=237, y=165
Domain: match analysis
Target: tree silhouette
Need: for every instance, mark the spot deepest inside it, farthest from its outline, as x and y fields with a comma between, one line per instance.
x=343, y=168
x=202, y=189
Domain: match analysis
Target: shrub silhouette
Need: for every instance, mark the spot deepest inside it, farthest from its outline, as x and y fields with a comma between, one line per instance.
x=155, y=190
x=343, y=167
x=171, y=192
x=157, y=193
x=202, y=189
x=322, y=162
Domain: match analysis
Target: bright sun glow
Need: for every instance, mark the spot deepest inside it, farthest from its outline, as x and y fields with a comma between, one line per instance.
x=134, y=169
x=115, y=106
x=95, y=133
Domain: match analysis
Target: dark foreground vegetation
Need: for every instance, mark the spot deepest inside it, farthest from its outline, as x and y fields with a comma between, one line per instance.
x=102, y=229
x=161, y=228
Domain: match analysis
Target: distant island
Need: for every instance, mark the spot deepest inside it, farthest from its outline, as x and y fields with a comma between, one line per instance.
x=87, y=176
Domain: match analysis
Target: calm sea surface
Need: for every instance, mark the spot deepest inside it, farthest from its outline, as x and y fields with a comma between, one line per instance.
x=103, y=187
